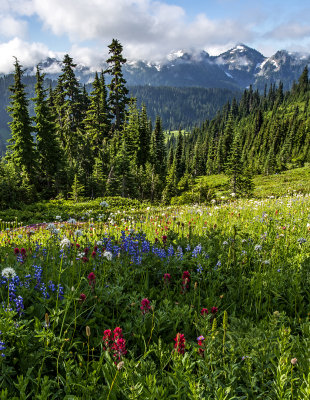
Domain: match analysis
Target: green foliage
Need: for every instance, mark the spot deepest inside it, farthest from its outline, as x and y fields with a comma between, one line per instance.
x=240, y=260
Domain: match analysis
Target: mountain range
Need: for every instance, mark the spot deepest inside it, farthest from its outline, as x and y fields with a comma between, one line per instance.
x=234, y=69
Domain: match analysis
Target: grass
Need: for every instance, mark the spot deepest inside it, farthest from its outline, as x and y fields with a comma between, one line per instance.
x=112, y=308
x=294, y=180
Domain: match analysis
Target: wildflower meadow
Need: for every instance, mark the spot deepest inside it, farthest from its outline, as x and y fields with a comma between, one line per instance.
x=188, y=302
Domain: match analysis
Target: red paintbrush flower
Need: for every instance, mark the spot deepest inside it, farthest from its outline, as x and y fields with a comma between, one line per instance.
x=179, y=344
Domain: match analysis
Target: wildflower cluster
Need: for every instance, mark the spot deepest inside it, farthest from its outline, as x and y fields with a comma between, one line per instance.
x=145, y=306
x=179, y=344
x=114, y=343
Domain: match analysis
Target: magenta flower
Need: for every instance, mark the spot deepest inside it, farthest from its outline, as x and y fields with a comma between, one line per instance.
x=214, y=310
x=179, y=344
x=145, y=306
x=204, y=311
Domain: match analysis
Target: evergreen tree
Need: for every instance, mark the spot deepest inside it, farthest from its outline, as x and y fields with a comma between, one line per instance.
x=49, y=155
x=179, y=158
x=131, y=133
x=240, y=180
x=118, y=92
x=158, y=149
x=97, y=121
x=144, y=137
x=21, y=150
x=69, y=111
x=171, y=185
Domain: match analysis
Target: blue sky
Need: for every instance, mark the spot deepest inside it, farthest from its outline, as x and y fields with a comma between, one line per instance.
x=148, y=29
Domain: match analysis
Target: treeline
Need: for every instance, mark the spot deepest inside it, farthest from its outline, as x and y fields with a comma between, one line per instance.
x=271, y=132
x=179, y=108
x=80, y=144
x=182, y=108
x=102, y=144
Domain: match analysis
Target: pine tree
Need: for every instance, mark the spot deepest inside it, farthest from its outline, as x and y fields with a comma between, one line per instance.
x=49, y=155
x=118, y=92
x=158, y=149
x=68, y=104
x=97, y=121
x=144, y=137
x=21, y=150
x=131, y=133
x=171, y=185
x=179, y=159
x=240, y=181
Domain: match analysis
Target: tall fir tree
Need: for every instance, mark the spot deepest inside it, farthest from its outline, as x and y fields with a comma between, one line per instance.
x=158, y=148
x=21, y=148
x=68, y=105
x=118, y=92
x=50, y=159
x=97, y=121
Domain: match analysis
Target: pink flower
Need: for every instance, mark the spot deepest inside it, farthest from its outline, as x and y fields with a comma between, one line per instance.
x=145, y=306
x=214, y=310
x=115, y=344
x=204, y=311
x=164, y=238
x=93, y=254
x=82, y=297
x=92, y=280
x=86, y=250
x=179, y=344
x=84, y=259
x=16, y=250
x=201, y=349
x=23, y=251
x=186, y=278
x=167, y=278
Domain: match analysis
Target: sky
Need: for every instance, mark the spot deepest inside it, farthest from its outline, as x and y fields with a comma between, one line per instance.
x=32, y=30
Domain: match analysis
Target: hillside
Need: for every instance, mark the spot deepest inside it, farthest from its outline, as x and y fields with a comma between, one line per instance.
x=178, y=107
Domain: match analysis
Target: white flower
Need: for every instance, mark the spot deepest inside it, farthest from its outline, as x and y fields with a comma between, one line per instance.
x=107, y=255
x=99, y=243
x=58, y=217
x=225, y=242
x=213, y=201
x=78, y=233
x=233, y=194
x=258, y=247
x=20, y=236
x=50, y=226
x=8, y=273
x=71, y=221
x=104, y=204
x=65, y=242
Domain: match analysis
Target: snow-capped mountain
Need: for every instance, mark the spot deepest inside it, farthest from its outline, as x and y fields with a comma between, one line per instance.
x=240, y=63
x=236, y=68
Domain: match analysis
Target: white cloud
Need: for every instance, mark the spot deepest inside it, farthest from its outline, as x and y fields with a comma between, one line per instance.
x=290, y=30
x=28, y=54
x=146, y=28
x=11, y=27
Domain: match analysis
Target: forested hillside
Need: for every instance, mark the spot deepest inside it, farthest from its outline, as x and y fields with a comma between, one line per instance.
x=178, y=107
x=181, y=108
x=103, y=144
x=269, y=133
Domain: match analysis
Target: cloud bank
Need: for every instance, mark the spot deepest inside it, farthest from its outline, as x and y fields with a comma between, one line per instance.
x=148, y=29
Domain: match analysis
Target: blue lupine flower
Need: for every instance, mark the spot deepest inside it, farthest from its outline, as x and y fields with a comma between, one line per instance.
x=199, y=269
x=197, y=250
x=19, y=303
